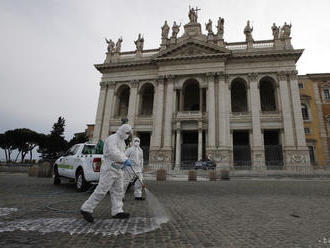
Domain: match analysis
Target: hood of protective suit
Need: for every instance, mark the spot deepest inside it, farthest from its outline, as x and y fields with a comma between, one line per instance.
x=136, y=142
x=124, y=131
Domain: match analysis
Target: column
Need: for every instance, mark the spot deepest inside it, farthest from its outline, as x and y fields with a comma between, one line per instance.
x=99, y=113
x=296, y=104
x=132, y=103
x=286, y=110
x=158, y=117
x=258, y=151
x=200, y=140
x=224, y=120
x=211, y=110
x=181, y=106
x=168, y=112
x=107, y=110
x=178, y=147
x=201, y=100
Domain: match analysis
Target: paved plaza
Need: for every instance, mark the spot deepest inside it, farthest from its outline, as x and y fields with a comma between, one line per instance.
x=235, y=213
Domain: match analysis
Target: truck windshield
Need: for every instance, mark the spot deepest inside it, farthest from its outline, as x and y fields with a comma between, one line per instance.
x=89, y=149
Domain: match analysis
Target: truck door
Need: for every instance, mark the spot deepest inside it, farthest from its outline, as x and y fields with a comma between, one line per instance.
x=68, y=165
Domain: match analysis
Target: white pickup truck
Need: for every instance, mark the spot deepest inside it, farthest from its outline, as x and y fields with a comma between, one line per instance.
x=80, y=164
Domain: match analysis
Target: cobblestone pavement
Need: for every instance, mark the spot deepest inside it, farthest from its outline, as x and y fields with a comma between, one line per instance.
x=236, y=213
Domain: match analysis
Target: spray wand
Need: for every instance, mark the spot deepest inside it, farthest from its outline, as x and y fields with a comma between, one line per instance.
x=143, y=185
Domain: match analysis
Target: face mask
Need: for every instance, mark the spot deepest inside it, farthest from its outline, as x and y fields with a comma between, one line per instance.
x=136, y=143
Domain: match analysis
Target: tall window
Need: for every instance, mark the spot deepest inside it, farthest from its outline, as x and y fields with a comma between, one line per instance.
x=311, y=154
x=326, y=94
x=267, y=94
x=238, y=96
x=304, y=111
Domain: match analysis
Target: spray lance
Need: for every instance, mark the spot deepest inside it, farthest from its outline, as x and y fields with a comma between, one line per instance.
x=137, y=178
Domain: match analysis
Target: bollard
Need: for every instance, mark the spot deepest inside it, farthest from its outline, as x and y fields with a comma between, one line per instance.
x=34, y=171
x=192, y=175
x=161, y=175
x=212, y=175
x=224, y=174
x=45, y=169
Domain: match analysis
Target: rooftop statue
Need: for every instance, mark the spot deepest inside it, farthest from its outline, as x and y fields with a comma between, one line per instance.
x=276, y=31
x=111, y=45
x=209, y=27
x=220, y=27
x=285, y=31
x=139, y=43
x=193, y=15
x=118, y=45
x=248, y=32
x=165, y=30
x=175, y=29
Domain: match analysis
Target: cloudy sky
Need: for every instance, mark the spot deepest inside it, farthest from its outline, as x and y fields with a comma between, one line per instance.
x=48, y=47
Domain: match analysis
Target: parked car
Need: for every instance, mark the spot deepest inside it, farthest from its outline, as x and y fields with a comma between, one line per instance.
x=81, y=164
x=205, y=165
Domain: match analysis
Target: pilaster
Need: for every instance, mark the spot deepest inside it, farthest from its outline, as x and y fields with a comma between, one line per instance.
x=107, y=109
x=132, y=102
x=211, y=110
x=258, y=152
x=100, y=113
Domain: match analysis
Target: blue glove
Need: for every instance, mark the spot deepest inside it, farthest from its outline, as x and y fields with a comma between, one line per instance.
x=127, y=163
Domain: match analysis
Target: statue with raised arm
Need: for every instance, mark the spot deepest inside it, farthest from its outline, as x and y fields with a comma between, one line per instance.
x=118, y=45
x=175, y=29
x=193, y=15
x=111, y=45
x=248, y=32
x=276, y=31
x=285, y=31
x=220, y=28
x=165, y=30
x=139, y=43
x=208, y=27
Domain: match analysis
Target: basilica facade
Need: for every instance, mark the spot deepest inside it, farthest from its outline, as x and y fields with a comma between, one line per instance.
x=198, y=96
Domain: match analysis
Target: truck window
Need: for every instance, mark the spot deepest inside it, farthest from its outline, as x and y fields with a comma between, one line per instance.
x=88, y=149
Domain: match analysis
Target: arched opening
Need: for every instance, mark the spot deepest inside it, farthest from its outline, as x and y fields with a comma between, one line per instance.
x=147, y=99
x=238, y=96
x=123, y=101
x=267, y=94
x=191, y=98
x=304, y=111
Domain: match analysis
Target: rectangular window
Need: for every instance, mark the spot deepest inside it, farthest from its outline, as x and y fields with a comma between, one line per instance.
x=300, y=85
x=311, y=154
x=326, y=94
x=307, y=130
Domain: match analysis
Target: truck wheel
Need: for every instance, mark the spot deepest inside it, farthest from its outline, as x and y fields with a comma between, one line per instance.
x=81, y=183
x=57, y=179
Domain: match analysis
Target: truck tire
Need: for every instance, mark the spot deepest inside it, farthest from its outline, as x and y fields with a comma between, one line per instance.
x=81, y=183
x=57, y=179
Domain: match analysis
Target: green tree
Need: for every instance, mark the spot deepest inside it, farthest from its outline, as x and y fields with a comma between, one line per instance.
x=8, y=144
x=78, y=138
x=54, y=145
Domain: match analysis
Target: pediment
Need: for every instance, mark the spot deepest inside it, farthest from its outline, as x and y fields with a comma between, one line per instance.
x=192, y=48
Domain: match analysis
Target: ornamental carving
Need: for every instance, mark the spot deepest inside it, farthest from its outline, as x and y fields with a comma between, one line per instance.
x=222, y=76
x=134, y=83
x=160, y=156
x=282, y=76
x=253, y=76
x=103, y=85
x=111, y=85
x=293, y=75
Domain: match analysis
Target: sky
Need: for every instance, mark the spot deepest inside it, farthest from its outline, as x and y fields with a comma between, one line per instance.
x=49, y=47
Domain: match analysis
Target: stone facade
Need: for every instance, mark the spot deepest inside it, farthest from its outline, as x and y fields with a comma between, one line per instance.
x=199, y=96
x=315, y=100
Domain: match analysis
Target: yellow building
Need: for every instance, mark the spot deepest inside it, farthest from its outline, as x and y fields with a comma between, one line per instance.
x=309, y=95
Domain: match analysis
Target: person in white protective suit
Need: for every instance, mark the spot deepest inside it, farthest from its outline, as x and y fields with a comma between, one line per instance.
x=135, y=155
x=111, y=176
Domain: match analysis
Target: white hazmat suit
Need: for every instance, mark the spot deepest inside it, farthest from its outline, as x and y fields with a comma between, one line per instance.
x=135, y=155
x=111, y=176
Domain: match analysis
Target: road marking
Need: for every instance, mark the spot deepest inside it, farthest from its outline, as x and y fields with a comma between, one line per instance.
x=134, y=225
